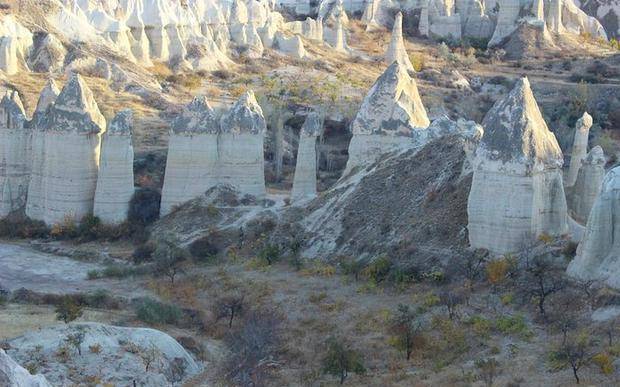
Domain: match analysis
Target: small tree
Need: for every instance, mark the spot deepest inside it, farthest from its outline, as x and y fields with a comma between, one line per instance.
x=149, y=355
x=451, y=301
x=405, y=327
x=542, y=279
x=68, y=310
x=577, y=352
x=76, y=339
x=341, y=360
x=229, y=306
x=169, y=260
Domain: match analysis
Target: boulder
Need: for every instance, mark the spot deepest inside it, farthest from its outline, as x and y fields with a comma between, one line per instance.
x=391, y=117
x=14, y=375
x=598, y=254
x=115, y=179
x=517, y=192
x=304, y=182
x=291, y=46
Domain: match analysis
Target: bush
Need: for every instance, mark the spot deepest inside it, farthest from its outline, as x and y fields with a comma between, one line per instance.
x=144, y=207
x=155, y=312
x=378, y=270
x=68, y=310
x=143, y=253
x=270, y=254
x=340, y=360
x=604, y=362
x=512, y=325
x=203, y=249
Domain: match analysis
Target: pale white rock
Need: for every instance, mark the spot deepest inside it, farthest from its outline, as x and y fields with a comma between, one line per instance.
x=193, y=155
x=73, y=128
x=424, y=25
x=506, y=21
x=273, y=25
x=115, y=178
x=377, y=13
x=448, y=26
x=339, y=41
x=554, y=16
x=238, y=13
x=292, y=46
x=14, y=375
x=304, y=181
x=396, y=50
x=332, y=12
x=15, y=45
x=241, y=162
x=391, y=117
x=118, y=347
x=598, y=254
x=14, y=154
x=580, y=148
x=576, y=21
x=312, y=29
x=587, y=186
x=35, y=189
x=247, y=39
x=517, y=192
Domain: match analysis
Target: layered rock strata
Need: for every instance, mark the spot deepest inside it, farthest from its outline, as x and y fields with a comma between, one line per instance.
x=587, y=186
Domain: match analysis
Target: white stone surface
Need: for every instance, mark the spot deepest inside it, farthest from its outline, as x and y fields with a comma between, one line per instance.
x=304, y=182
x=35, y=187
x=15, y=45
x=598, y=254
x=517, y=192
x=115, y=178
x=587, y=186
x=14, y=375
x=580, y=148
x=14, y=154
x=396, y=50
x=391, y=117
x=71, y=155
x=291, y=46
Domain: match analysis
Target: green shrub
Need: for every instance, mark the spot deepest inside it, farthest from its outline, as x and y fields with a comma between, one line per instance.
x=203, y=250
x=270, y=254
x=155, y=312
x=143, y=253
x=514, y=325
x=144, y=207
x=378, y=270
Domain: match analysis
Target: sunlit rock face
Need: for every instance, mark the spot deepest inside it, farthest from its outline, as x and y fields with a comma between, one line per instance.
x=240, y=147
x=598, y=254
x=115, y=179
x=587, y=186
x=14, y=375
x=580, y=148
x=391, y=117
x=517, y=192
x=35, y=187
x=15, y=45
x=396, y=50
x=192, y=164
x=304, y=182
x=14, y=154
x=73, y=128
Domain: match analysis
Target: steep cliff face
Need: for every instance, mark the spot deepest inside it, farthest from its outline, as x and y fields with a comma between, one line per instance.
x=15, y=156
x=517, y=191
x=73, y=128
x=115, y=178
x=304, y=182
x=584, y=192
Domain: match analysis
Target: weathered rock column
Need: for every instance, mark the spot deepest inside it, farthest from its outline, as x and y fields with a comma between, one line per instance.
x=71, y=156
x=588, y=185
x=14, y=154
x=396, y=51
x=517, y=192
x=240, y=147
x=580, y=147
x=35, y=187
x=598, y=255
x=304, y=182
x=115, y=180
x=193, y=155
x=389, y=118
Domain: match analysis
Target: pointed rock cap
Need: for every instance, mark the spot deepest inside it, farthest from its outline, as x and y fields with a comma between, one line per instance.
x=121, y=124
x=393, y=105
x=47, y=97
x=75, y=109
x=246, y=116
x=312, y=126
x=596, y=156
x=396, y=51
x=585, y=122
x=12, y=110
x=515, y=130
x=238, y=13
x=197, y=117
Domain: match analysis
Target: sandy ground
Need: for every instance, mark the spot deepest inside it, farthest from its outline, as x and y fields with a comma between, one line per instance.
x=23, y=267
